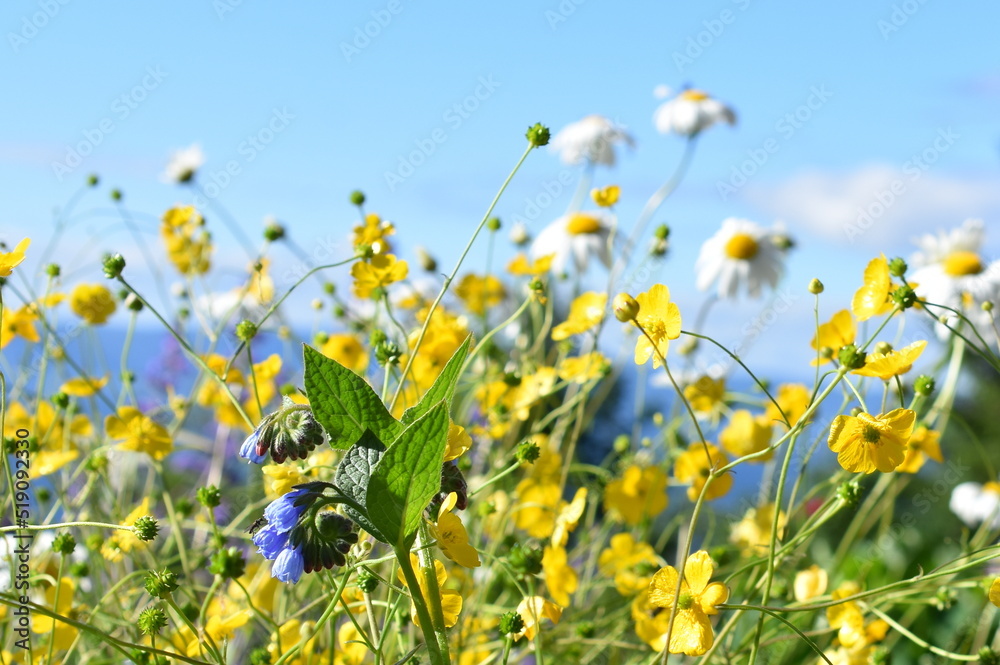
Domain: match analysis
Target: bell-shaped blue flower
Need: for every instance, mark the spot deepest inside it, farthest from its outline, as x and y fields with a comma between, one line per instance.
x=249, y=449
x=284, y=512
x=288, y=565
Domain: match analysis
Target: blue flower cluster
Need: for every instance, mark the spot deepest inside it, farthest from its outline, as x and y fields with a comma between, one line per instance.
x=274, y=541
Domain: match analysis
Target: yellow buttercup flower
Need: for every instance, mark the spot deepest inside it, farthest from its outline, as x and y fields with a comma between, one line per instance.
x=352, y=648
x=10, y=260
x=705, y=395
x=122, y=542
x=606, y=197
x=347, y=350
x=585, y=313
x=866, y=443
x=847, y=619
x=210, y=393
x=810, y=583
x=92, y=302
x=752, y=534
x=459, y=442
x=837, y=332
x=631, y=562
x=537, y=507
x=533, y=609
x=887, y=365
x=746, y=434
x=378, y=272
x=694, y=465
x=140, y=433
x=692, y=634
x=560, y=578
x=533, y=388
x=188, y=243
x=373, y=233
x=451, y=601
x=568, y=517
x=48, y=424
x=994, y=593
x=641, y=493
x=793, y=398
x=585, y=368
x=872, y=299
x=480, y=293
x=83, y=386
x=520, y=265
x=923, y=444
x=19, y=323
x=63, y=634
x=452, y=537
x=661, y=319
x=279, y=479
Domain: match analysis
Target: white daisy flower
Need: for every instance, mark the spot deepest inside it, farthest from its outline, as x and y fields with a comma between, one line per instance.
x=183, y=164
x=578, y=235
x=691, y=112
x=974, y=503
x=950, y=271
x=740, y=254
x=519, y=234
x=592, y=139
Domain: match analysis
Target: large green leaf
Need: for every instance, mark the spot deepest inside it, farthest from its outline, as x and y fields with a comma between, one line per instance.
x=408, y=476
x=444, y=385
x=354, y=474
x=343, y=402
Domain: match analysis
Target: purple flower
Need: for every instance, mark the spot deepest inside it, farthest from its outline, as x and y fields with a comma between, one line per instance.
x=289, y=565
x=270, y=542
x=282, y=513
x=249, y=449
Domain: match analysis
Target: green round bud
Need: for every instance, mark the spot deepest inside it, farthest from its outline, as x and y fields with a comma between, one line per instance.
x=60, y=399
x=923, y=385
x=43, y=494
x=622, y=444
x=661, y=232
x=904, y=297
x=367, y=581
x=92, y=180
x=160, y=584
x=783, y=242
x=53, y=270
x=538, y=135
x=511, y=623
x=987, y=656
x=152, y=620
x=260, y=656
x=210, y=496
x=329, y=288
x=526, y=561
x=897, y=267
x=850, y=357
x=387, y=352
x=184, y=506
x=363, y=251
x=116, y=195
x=79, y=569
x=146, y=528
x=357, y=197
x=586, y=629
x=527, y=451
x=339, y=311
x=815, y=286
x=850, y=493
x=133, y=302
x=228, y=563
x=113, y=264
x=493, y=223
x=96, y=463
x=273, y=232
x=246, y=330
x=987, y=306
x=64, y=544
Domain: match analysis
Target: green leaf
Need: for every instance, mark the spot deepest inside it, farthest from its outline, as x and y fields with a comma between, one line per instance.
x=443, y=387
x=343, y=402
x=354, y=474
x=408, y=476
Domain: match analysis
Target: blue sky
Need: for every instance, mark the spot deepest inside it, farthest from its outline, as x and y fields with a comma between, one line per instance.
x=146, y=79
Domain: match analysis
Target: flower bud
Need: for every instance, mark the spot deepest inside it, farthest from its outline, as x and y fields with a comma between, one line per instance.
x=274, y=231
x=626, y=307
x=92, y=180
x=113, y=264
x=160, y=584
x=64, y=544
x=151, y=621
x=116, y=195
x=525, y=560
x=849, y=492
x=622, y=443
x=367, y=581
x=511, y=623
x=427, y=262
x=883, y=348
x=538, y=135
x=815, y=286
x=527, y=451
x=228, y=563
x=850, y=357
x=357, y=197
x=493, y=223
x=210, y=496
x=146, y=528
x=923, y=385
x=897, y=267
x=246, y=330
x=53, y=270
x=519, y=234
x=904, y=297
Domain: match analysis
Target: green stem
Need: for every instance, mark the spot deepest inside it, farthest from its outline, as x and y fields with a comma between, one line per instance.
x=419, y=606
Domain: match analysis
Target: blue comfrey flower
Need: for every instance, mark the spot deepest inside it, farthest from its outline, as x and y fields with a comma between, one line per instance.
x=288, y=565
x=249, y=449
x=270, y=541
x=284, y=512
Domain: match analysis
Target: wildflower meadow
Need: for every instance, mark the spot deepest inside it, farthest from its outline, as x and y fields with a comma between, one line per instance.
x=548, y=457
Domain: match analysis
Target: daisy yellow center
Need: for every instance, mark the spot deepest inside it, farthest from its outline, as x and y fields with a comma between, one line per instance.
x=741, y=246
x=962, y=263
x=694, y=95
x=992, y=487
x=685, y=602
x=580, y=224
x=870, y=434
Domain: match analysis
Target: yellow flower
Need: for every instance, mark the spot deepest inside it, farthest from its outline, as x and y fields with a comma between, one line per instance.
x=838, y=332
x=519, y=265
x=533, y=609
x=451, y=601
x=864, y=443
x=352, y=648
x=705, y=394
x=459, y=441
x=694, y=466
x=560, y=578
x=347, y=350
x=10, y=260
x=746, y=434
x=924, y=443
x=279, y=479
x=887, y=365
x=692, y=633
x=872, y=299
x=480, y=293
x=188, y=243
x=83, y=386
x=260, y=287
x=631, y=562
x=538, y=505
x=585, y=368
x=752, y=534
x=210, y=393
x=810, y=583
x=793, y=398
x=45, y=462
x=122, y=542
x=585, y=312
x=606, y=197
x=847, y=619
x=377, y=273
x=994, y=593
x=65, y=633
x=92, y=302
x=533, y=388
x=18, y=323
x=373, y=233
x=452, y=537
x=290, y=633
x=140, y=433
x=568, y=517
x=224, y=617
x=641, y=493
x=48, y=424
x=661, y=319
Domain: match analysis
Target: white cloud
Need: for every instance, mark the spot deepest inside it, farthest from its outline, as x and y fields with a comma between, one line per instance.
x=876, y=204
